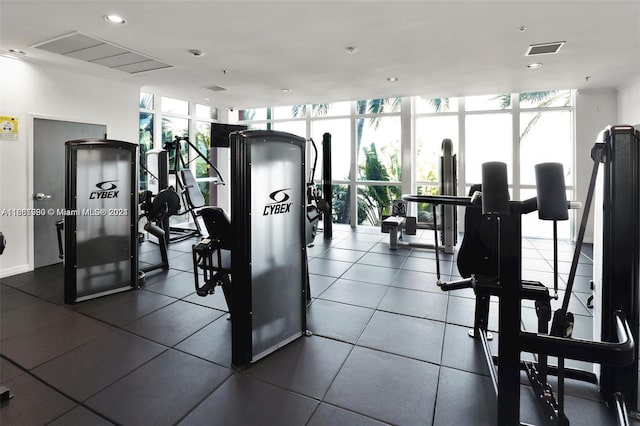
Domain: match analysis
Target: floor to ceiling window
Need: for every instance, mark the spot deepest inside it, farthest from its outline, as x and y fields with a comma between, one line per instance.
x=161, y=120
x=520, y=130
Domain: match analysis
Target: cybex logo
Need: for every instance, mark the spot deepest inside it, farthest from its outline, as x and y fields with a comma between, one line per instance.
x=279, y=204
x=106, y=190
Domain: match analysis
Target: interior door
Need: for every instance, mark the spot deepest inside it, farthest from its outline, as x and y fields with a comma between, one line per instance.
x=49, y=137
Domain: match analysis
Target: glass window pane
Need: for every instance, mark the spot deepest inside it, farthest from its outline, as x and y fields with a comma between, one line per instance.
x=146, y=100
x=340, y=202
x=545, y=137
x=292, y=111
x=430, y=132
x=425, y=210
x=378, y=106
x=252, y=114
x=378, y=144
x=340, y=130
x=330, y=110
x=145, y=139
x=487, y=102
x=205, y=111
x=172, y=127
x=298, y=128
x=203, y=171
x=175, y=106
x=426, y=105
x=534, y=227
x=552, y=98
x=374, y=202
x=488, y=137
x=257, y=126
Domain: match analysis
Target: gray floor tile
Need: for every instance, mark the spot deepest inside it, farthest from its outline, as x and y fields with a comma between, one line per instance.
x=11, y=298
x=465, y=399
x=124, y=308
x=428, y=265
x=212, y=343
x=390, y=260
x=344, y=255
x=329, y=268
x=9, y=370
x=245, y=401
x=370, y=274
x=355, y=293
x=307, y=365
x=319, y=283
x=355, y=244
x=88, y=369
x=26, y=318
x=52, y=340
x=464, y=353
x=34, y=402
x=160, y=392
x=329, y=415
x=80, y=416
x=402, y=335
x=174, y=323
x=415, y=303
x=177, y=284
x=461, y=311
x=387, y=387
x=337, y=320
x=416, y=280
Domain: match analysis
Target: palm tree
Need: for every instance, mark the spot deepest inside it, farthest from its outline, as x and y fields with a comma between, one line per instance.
x=543, y=100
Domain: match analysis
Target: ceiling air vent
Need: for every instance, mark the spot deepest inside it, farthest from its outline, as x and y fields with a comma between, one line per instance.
x=90, y=49
x=216, y=88
x=544, y=48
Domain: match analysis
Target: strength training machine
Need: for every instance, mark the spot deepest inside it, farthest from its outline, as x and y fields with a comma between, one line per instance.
x=496, y=271
x=399, y=224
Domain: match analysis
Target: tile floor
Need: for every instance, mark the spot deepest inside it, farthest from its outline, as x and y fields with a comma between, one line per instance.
x=388, y=347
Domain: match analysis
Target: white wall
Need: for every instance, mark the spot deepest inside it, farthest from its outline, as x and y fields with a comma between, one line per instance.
x=30, y=89
x=595, y=110
x=629, y=103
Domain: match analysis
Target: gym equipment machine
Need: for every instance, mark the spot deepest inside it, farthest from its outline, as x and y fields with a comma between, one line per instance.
x=399, y=224
x=100, y=221
x=503, y=255
x=268, y=214
x=327, y=189
x=186, y=184
x=271, y=224
x=616, y=249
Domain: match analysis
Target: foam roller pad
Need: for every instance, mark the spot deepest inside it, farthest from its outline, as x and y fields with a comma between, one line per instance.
x=495, y=192
x=552, y=192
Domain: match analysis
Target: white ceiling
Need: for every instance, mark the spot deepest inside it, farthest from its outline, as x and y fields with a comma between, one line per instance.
x=435, y=48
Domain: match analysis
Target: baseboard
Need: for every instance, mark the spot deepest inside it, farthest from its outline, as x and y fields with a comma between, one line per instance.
x=7, y=272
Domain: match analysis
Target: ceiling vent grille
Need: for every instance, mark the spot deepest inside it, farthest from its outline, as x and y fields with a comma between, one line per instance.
x=216, y=88
x=544, y=48
x=90, y=49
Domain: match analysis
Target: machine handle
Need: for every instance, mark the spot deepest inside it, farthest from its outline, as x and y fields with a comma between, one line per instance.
x=59, y=229
x=620, y=353
x=40, y=196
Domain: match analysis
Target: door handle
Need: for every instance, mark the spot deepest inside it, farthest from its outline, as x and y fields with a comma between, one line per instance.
x=40, y=196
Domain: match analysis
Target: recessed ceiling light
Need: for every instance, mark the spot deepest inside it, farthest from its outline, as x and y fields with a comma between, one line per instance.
x=392, y=79
x=351, y=49
x=16, y=51
x=197, y=53
x=285, y=90
x=522, y=29
x=207, y=99
x=534, y=66
x=114, y=19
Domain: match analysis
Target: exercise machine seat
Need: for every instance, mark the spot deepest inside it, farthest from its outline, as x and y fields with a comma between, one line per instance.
x=192, y=190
